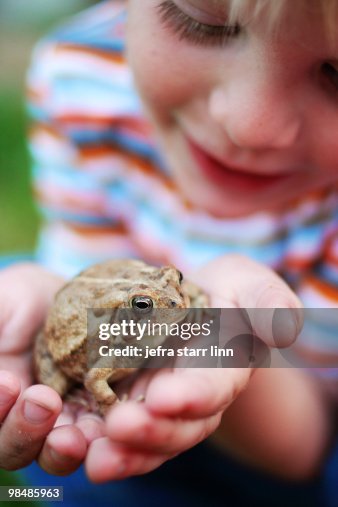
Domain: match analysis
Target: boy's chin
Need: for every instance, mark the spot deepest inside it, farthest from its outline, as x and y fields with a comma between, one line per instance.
x=219, y=204
x=226, y=205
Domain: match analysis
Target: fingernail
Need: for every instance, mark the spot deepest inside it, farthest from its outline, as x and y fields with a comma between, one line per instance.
x=63, y=420
x=35, y=413
x=59, y=458
x=287, y=323
x=6, y=396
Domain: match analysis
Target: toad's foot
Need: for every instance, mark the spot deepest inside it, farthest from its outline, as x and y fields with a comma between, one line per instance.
x=125, y=397
x=79, y=400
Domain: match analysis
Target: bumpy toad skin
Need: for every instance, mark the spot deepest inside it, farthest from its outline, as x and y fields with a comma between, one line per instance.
x=60, y=356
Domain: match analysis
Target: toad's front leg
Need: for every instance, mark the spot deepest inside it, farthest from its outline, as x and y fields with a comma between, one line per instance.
x=97, y=381
x=46, y=370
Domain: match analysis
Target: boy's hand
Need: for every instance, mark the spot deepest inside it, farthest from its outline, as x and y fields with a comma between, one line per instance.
x=184, y=406
x=27, y=419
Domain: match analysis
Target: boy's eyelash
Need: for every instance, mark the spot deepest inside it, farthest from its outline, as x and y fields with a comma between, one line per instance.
x=193, y=31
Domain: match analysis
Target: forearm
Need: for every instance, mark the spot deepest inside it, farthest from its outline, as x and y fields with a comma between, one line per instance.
x=281, y=423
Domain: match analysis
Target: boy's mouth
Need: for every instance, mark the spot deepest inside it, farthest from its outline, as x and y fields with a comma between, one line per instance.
x=224, y=175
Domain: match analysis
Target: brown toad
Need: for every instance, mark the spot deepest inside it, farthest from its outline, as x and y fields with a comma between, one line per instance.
x=60, y=354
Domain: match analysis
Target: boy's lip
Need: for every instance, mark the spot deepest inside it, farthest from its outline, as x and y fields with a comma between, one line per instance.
x=229, y=176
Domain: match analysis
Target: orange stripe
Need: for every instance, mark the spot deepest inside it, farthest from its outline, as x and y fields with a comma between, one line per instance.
x=331, y=258
x=94, y=151
x=88, y=120
x=136, y=163
x=33, y=95
x=101, y=53
x=110, y=230
x=88, y=152
x=298, y=264
x=134, y=124
x=329, y=250
x=326, y=289
x=36, y=128
x=66, y=201
x=315, y=195
x=151, y=170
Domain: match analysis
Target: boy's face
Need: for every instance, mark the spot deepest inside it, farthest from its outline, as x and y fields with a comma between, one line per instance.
x=248, y=123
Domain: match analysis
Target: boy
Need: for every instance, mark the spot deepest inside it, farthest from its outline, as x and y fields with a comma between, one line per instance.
x=237, y=156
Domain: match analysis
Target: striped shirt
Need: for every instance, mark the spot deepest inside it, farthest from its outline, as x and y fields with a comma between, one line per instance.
x=105, y=191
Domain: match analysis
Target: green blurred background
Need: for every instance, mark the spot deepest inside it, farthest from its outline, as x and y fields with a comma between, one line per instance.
x=22, y=22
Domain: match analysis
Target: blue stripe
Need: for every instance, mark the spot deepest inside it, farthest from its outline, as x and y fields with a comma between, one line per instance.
x=114, y=138
x=59, y=214
x=308, y=234
x=69, y=178
x=328, y=273
x=37, y=113
x=85, y=87
x=86, y=31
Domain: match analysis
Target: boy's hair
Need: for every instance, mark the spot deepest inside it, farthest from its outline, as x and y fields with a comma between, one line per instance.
x=274, y=9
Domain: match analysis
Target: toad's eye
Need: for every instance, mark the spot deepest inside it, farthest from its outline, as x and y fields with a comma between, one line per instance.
x=142, y=303
x=180, y=277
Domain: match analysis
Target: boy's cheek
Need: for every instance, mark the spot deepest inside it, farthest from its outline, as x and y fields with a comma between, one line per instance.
x=163, y=68
x=159, y=81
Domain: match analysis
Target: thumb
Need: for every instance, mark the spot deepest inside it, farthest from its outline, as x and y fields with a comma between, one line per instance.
x=262, y=302
x=26, y=292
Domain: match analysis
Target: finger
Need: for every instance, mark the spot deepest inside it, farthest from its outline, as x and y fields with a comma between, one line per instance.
x=136, y=387
x=9, y=392
x=126, y=386
x=64, y=419
x=15, y=364
x=234, y=281
x=134, y=426
x=107, y=461
x=64, y=450
x=28, y=423
x=91, y=426
x=20, y=323
x=195, y=393
x=20, y=328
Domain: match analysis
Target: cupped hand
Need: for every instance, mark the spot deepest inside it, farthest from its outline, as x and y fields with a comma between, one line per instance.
x=183, y=406
x=34, y=423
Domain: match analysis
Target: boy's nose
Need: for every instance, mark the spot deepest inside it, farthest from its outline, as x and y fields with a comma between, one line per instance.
x=256, y=118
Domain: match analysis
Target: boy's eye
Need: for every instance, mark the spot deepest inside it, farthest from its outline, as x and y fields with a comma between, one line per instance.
x=331, y=73
x=188, y=28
